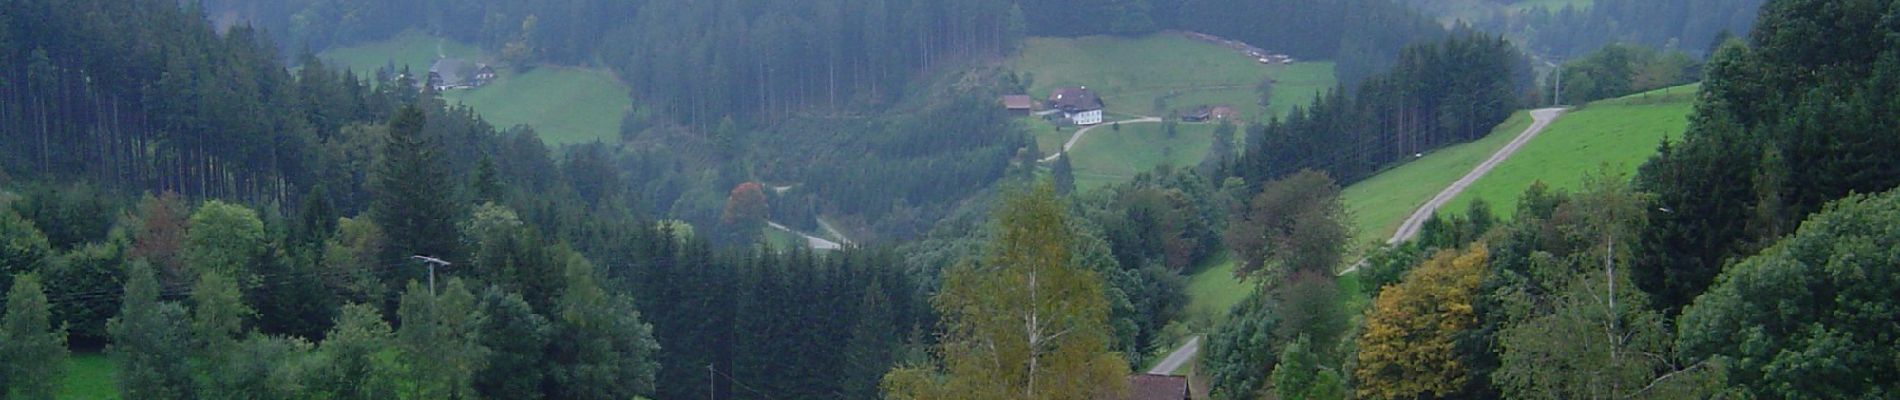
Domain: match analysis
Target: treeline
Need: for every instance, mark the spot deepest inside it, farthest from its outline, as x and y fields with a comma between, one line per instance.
x=142, y=94
x=1362, y=36
x=566, y=31
x=891, y=177
x=307, y=284
x=706, y=60
x=1676, y=25
x=1438, y=94
x=1620, y=69
x=697, y=62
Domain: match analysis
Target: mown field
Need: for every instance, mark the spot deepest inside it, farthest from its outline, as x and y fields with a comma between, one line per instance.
x=1131, y=73
x=564, y=104
x=88, y=377
x=1378, y=204
x=1109, y=155
x=1614, y=136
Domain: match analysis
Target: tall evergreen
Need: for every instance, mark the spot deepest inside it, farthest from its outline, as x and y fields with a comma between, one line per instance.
x=414, y=199
x=33, y=349
x=150, y=341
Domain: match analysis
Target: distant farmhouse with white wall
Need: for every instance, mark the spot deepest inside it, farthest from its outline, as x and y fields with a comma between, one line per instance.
x=455, y=73
x=1078, y=104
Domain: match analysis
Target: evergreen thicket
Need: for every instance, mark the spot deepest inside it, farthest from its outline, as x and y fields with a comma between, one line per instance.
x=1438, y=94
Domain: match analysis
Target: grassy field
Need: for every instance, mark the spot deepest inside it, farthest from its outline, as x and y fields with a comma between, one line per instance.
x=88, y=377
x=1377, y=205
x=1618, y=134
x=564, y=104
x=1212, y=289
x=414, y=49
x=1130, y=74
x=1109, y=155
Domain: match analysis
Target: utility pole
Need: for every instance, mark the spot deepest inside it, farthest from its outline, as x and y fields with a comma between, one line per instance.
x=712, y=383
x=432, y=262
x=1560, y=87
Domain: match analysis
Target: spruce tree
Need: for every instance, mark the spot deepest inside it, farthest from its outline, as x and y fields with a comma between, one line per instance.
x=413, y=195
x=1063, y=173
x=32, y=352
x=517, y=340
x=150, y=342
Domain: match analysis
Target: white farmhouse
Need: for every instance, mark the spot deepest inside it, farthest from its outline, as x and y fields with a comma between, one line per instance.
x=1078, y=104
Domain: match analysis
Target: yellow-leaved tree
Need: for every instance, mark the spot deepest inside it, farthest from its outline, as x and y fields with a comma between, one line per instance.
x=1406, y=349
x=1026, y=323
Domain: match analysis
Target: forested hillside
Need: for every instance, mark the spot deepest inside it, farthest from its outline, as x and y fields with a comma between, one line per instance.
x=200, y=208
x=1745, y=260
x=220, y=226
x=1439, y=94
x=1693, y=26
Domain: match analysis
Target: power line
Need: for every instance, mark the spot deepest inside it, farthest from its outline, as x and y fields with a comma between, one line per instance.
x=277, y=279
x=735, y=382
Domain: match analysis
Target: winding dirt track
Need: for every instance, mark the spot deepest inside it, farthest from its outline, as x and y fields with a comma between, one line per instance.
x=1079, y=133
x=1408, y=230
x=1542, y=119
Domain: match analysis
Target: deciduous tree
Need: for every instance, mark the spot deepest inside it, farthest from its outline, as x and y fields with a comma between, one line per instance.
x=359, y=357
x=227, y=239
x=1812, y=316
x=1026, y=323
x=1406, y=350
x=1296, y=223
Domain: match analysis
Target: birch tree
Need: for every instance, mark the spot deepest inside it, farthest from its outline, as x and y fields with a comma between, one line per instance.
x=1025, y=323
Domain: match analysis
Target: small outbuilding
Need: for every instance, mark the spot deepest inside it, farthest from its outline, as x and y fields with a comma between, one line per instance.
x=1019, y=104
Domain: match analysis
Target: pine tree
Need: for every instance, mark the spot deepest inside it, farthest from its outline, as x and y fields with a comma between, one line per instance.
x=874, y=343
x=34, y=351
x=517, y=340
x=1063, y=173
x=413, y=196
x=150, y=341
x=440, y=340
x=604, y=350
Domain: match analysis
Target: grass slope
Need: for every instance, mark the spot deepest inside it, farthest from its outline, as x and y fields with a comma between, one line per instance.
x=1378, y=204
x=1109, y=155
x=1618, y=134
x=1212, y=289
x=413, y=49
x=564, y=104
x=88, y=376
x=1130, y=73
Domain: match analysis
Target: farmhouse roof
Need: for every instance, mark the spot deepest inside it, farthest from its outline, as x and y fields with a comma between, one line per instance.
x=1018, y=102
x=1075, y=99
x=1221, y=112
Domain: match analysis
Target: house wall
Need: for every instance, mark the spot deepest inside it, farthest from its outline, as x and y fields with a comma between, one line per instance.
x=1090, y=117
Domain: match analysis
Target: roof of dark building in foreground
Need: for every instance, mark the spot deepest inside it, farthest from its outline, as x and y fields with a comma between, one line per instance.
x=1157, y=387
